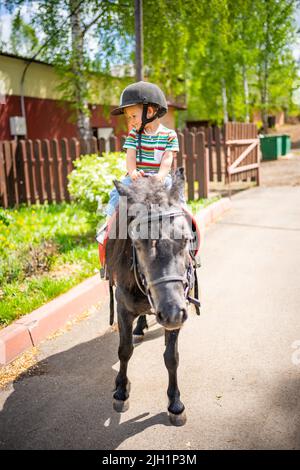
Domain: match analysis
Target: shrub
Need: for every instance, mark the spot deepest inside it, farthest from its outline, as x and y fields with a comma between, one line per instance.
x=92, y=179
x=5, y=218
x=39, y=258
x=27, y=261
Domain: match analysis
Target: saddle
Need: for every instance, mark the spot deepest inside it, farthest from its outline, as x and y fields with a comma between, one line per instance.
x=102, y=248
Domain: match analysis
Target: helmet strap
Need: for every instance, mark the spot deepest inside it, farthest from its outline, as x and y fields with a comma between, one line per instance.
x=145, y=121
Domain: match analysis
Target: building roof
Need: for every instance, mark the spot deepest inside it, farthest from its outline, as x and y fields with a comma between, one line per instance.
x=179, y=106
x=26, y=59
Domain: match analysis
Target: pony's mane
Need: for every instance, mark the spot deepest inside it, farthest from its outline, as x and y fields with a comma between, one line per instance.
x=148, y=191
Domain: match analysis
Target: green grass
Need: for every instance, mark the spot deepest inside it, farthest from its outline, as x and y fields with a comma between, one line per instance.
x=196, y=206
x=21, y=299
x=44, y=251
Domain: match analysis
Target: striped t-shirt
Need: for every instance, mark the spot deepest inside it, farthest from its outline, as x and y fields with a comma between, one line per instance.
x=153, y=147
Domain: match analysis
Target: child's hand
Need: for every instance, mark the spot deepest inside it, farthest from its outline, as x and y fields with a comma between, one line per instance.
x=136, y=174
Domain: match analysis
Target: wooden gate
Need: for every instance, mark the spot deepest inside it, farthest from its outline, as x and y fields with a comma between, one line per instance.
x=242, y=153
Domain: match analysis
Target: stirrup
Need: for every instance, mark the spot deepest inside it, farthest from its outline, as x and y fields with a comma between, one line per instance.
x=104, y=273
x=101, y=233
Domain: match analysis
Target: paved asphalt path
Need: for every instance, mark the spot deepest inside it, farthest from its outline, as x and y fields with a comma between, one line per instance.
x=239, y=374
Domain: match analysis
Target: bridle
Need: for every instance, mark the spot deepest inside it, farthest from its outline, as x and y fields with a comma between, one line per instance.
x=189, y=280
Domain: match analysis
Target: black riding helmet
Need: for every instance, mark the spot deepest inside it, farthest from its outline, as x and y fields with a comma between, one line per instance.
x=144, y=93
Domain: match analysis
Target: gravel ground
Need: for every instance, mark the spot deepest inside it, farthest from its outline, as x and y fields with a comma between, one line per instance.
x=281, y=172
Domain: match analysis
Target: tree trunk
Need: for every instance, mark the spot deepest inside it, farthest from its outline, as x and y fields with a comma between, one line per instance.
x=246, y=94
x=224, y=99
x=264, y=97
x=231, y=111
x=80, y=83
x=139, y=41
x=265, y=74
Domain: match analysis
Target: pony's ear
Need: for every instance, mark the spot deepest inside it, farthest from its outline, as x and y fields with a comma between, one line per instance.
x=124, y=190
x=178, y=179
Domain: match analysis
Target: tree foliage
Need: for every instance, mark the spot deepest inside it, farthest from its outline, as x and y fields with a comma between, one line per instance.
x=229, y=57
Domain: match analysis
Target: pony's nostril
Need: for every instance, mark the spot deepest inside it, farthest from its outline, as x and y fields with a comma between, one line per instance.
x=184, y=314
x=159, y=316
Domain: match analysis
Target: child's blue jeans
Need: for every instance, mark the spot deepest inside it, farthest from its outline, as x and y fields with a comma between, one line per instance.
x=114, y=195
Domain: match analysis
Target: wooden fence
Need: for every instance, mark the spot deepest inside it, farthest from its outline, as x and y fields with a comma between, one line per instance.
x=36, y=171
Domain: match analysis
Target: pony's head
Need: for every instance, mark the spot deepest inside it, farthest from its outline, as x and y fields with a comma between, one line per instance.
x=160, y=234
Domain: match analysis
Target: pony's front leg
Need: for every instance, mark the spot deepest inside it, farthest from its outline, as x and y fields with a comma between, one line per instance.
x=121, y=395
x=176, y=407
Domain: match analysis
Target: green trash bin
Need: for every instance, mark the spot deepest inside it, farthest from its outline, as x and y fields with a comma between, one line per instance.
x=286, y=144
x=271, y=146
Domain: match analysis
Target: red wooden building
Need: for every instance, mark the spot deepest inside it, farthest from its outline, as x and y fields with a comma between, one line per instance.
x=47, y=115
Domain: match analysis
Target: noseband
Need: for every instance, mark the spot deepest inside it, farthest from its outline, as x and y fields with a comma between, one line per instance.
x=189, y=280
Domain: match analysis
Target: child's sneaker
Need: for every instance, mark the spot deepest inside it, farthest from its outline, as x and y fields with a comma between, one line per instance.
x=101, y=233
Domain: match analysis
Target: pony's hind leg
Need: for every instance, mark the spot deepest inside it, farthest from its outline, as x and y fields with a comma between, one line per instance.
x=138, y=332
x=121, y=394
x=176, y=407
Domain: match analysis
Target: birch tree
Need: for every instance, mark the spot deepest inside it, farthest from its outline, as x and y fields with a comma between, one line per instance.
x=67, y=26
x=275, y=33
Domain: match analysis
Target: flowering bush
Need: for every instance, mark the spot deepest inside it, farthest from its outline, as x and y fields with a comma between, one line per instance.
x=92, y=179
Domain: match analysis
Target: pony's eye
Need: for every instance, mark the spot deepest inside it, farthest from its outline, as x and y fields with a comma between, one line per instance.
x=181, y=243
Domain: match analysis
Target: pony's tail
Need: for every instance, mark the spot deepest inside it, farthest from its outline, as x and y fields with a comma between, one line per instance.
x=111, y=304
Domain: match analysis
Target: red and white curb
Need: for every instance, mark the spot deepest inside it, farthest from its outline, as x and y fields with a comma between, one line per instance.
x=31, y=329
x=212, y=212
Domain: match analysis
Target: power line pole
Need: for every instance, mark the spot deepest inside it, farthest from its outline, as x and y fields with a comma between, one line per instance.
x=139, y=41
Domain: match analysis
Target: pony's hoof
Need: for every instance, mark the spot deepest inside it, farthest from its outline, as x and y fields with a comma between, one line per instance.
x=120, y=406
x=137, y=339
x=178, y=420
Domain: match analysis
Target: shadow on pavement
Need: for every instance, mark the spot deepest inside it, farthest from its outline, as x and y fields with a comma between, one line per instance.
x=66, y=402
